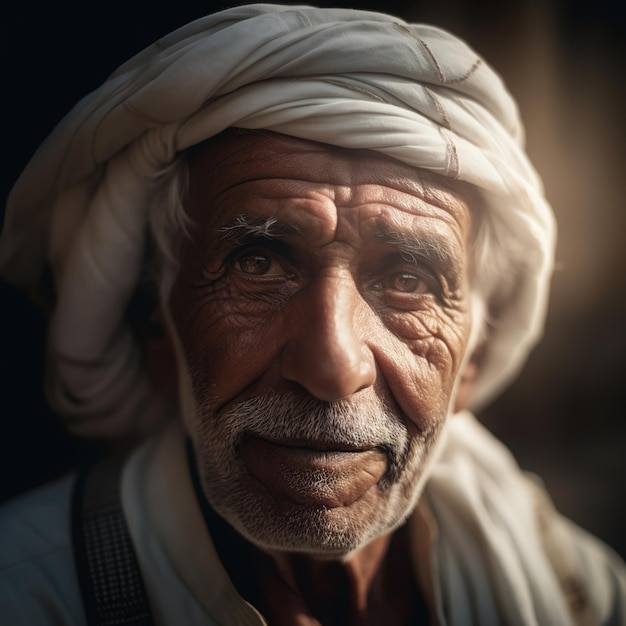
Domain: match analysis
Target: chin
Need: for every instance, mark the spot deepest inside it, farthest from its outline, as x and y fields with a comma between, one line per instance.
x=318, y=531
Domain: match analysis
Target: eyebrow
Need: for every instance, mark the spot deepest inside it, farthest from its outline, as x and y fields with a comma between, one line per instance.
x=412, y=247
x=243, y=228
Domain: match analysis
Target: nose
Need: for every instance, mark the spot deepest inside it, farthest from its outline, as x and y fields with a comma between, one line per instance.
x=325, y=352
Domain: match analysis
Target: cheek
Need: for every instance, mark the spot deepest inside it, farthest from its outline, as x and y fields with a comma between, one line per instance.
x=420, y=359
x=226, y=339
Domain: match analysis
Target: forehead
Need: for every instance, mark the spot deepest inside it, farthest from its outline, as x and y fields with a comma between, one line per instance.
x=239, y=170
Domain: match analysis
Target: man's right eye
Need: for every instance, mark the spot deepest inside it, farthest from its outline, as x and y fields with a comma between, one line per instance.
x=254, y=263
x=259, y=262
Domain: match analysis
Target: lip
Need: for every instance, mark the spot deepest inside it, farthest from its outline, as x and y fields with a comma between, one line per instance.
x=312, y=473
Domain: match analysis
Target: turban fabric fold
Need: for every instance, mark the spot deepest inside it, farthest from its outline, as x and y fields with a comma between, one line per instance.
x=353, y=79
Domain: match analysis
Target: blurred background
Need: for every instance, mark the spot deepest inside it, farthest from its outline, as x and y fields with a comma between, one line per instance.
x=563, y=62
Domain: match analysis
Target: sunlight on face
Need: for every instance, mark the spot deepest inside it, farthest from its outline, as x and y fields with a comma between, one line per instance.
x=322, y=317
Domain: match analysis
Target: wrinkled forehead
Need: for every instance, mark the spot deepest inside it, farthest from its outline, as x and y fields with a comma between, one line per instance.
x=238, y=156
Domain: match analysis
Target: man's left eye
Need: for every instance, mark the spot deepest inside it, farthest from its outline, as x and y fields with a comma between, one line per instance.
x=406, y=283
x=403, y=282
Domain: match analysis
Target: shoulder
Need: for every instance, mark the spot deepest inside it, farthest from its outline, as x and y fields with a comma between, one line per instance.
x=38, y=583
x=502, y=545
x=36, y=523
x=592, y=575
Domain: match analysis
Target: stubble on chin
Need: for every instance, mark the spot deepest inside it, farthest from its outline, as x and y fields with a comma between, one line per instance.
x=275, y=525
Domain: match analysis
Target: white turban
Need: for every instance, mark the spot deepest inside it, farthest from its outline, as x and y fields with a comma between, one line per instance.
x=354, y=79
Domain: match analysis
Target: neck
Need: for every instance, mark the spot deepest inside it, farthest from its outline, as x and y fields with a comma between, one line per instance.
x=373, y=586
x=320, y=579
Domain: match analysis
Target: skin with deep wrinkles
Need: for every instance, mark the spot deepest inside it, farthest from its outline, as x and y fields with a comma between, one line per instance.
x=322, y=313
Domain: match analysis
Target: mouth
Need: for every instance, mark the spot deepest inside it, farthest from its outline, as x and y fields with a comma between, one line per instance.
x=318, y=474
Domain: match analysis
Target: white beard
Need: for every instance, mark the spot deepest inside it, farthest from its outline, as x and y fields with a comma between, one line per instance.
x=327, y=532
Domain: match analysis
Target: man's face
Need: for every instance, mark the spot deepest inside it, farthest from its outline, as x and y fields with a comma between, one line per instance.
x=322, y=314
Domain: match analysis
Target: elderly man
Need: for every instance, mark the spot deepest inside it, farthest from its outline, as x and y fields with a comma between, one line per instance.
x=289, y=249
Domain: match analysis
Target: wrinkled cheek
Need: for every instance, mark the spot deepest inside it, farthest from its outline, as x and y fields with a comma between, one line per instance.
x=432, y=338
x=443, y=341
x=421, y=367
x=201, y=331
x=203, y=316
x=225, y=351
x=431, y=385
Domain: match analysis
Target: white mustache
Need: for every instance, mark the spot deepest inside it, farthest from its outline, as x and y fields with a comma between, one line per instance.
x=276, y=416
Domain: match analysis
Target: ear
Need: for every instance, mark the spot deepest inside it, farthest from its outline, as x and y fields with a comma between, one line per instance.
x=466, y=382
x=159, y=355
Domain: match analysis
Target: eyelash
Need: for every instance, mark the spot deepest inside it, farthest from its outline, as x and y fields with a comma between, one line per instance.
x=391, y=268
x=277, y=251
x=399, y=265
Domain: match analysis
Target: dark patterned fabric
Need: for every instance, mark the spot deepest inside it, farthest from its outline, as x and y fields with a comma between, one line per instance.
x=108, y=572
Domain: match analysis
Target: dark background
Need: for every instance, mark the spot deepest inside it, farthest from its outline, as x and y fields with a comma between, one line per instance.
x=563, y=62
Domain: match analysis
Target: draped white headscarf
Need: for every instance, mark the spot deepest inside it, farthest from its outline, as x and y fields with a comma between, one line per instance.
x=350, y=78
